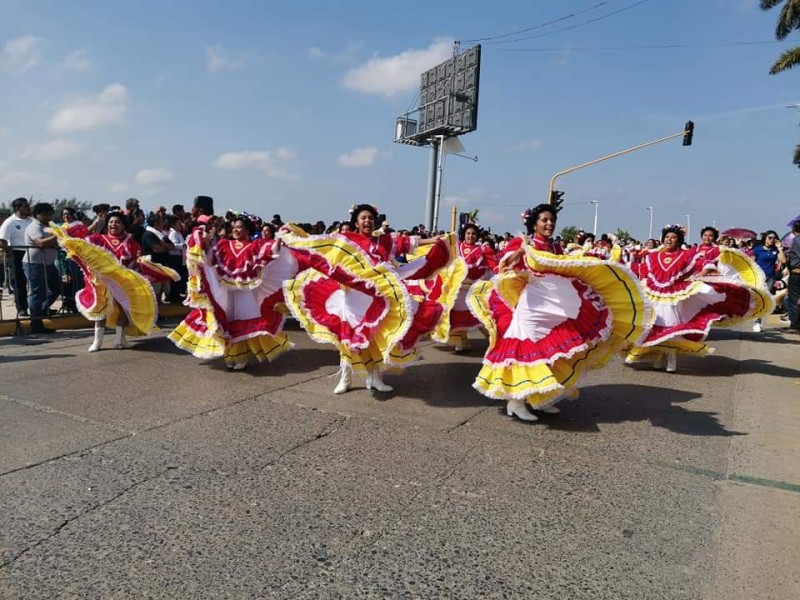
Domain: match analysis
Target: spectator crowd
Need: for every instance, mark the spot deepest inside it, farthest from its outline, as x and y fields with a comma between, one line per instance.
x=37, y=272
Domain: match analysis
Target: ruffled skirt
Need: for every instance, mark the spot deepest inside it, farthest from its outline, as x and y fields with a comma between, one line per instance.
x=111, y=292
x=549, y=326
x=235, y=322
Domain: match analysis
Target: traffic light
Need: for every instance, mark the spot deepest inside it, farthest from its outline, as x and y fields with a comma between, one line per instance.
x=556, y=199
x=688, y=132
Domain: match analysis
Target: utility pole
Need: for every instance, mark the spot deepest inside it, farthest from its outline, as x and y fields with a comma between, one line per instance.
x=596, y=207
x=430, y=205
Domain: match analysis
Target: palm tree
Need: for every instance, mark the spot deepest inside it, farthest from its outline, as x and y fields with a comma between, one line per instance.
x=788, y=21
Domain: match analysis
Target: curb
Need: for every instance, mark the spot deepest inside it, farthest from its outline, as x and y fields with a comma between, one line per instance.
x=79, y=322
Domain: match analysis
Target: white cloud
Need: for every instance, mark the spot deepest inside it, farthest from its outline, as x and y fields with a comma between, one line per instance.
x=82, y=114
x=360, y=157
x=52, y=150
x=20, y=54
x=15, y=177
x=77, y=61
x=119, y=188
x=271, y=163
x=397, y=74
x=533, y=144
x=317, y=53
x=154, y=176
x=219, y=59
x=345, y=56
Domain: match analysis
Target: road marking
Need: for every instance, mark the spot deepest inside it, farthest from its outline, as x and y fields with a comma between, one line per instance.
x=749, y=479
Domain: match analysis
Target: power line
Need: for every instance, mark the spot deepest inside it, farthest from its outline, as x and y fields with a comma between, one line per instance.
x=545, y=24
x=647, y=46
x=571, y=27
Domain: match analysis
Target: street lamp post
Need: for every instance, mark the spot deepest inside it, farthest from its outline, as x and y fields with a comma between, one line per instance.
x=688, y=228
x=650, y=230
x=596, y=207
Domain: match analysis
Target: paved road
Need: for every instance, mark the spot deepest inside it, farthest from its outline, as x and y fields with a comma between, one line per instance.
x=148, y=474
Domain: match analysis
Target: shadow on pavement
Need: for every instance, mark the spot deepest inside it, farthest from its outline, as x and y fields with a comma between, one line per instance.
x=441, y=384
x=22, y=357
x=723, y=366
x=615, y=403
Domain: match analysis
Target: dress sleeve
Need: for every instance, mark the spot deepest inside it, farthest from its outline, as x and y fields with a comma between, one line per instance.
x=490, y=256
x=136, y=249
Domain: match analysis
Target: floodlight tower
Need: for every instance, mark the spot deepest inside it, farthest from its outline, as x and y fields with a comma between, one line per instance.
x=448, y=107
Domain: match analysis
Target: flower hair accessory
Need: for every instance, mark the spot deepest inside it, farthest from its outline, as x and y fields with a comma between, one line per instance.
x=352, y=208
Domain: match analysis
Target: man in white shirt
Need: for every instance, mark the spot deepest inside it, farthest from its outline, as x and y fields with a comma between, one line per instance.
x=12, y=240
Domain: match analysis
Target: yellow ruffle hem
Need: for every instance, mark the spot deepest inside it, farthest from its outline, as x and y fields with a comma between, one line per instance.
x=546, y=382
x=343, y=255
x=117, y=289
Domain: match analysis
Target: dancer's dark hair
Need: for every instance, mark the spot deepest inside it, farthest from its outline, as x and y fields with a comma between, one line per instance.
x=533, y=214
x=358, y=209
x=713, y=230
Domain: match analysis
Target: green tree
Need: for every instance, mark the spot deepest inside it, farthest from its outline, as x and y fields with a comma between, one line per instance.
x=60, y=203
x=622, y=234
x=569, y=233
x=788, y=21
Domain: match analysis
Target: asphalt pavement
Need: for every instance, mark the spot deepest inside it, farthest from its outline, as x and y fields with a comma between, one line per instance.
x=146, y=473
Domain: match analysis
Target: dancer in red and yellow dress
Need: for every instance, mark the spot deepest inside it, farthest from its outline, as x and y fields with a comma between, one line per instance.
x=550, y=318
x=235, y=291
x=114, y=292
x=691, y=290
x=354, y=297
x=474, y=261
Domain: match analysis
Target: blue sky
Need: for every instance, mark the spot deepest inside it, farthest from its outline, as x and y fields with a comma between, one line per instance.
x=289, y=107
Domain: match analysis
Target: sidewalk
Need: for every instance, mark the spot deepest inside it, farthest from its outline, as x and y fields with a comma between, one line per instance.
x=759, y=535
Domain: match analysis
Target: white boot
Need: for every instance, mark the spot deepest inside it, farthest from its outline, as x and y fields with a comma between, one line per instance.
x=99, y=331
x=630, y=359
x=120, y=341
x=672, y=361
x=375, y=382
x=345, y=378
x=550, y=410
x=463, y=345
x=518, y=408
x=658, y=363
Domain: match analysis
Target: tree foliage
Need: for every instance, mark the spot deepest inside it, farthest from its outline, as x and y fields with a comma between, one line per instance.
x=622, y=234
x=788, y=21
x=569, y=233
x=60, y=203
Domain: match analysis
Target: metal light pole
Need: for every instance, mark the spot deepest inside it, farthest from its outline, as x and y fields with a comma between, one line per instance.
x=430, y=205
x=688, y=228
x=687, y=133
x=650, y=230
x=596, y=207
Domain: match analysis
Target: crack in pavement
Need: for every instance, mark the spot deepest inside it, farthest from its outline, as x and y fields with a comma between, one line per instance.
x=61, y=527
x=438, y=482
x=204, y=413
x=49, y=409
x=468, y=419
x=328, y=430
